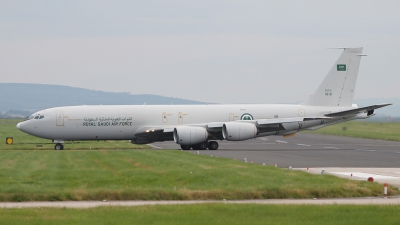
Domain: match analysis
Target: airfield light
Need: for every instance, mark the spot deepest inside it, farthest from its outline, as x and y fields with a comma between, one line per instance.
x=9, y=140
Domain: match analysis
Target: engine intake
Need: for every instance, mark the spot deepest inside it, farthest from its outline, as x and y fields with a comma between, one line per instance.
x=187, y=135
x=238, y=131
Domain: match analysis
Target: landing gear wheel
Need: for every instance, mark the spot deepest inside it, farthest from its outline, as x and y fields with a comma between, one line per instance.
x=185, y=147
x=59, y=146
x=213, y=145
x=202, y=146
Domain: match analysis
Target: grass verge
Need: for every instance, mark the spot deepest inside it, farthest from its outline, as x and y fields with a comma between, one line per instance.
x=207, y=214
x=369, y=130
x=159, y=174
x=23, y=141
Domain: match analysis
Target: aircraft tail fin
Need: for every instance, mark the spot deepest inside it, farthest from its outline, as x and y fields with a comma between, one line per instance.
x=338, y=87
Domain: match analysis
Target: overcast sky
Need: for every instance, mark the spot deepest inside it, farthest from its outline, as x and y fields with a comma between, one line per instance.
x=211, y=51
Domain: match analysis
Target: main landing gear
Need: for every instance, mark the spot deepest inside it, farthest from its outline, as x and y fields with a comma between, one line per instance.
x=212, y=145
x=59, y=146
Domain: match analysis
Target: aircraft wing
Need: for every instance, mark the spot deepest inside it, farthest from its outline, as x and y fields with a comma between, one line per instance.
x=215, y=126
x=368, y=109
x=149, y=134
x=280, y=124
x=153, y=131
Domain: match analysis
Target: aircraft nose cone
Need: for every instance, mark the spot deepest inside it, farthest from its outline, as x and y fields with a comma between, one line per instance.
x=19, y=126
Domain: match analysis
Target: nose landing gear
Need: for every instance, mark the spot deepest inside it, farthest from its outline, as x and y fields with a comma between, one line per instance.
x=59, y=146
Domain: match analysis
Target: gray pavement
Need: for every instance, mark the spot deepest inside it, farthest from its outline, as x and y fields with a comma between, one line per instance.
x=308, y=150
x=380, y=175
x=92, y=204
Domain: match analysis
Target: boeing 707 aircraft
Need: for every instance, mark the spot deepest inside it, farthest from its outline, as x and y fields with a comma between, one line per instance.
x=199, y=126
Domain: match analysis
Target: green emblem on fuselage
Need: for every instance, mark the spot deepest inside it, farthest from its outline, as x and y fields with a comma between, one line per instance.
x=246, y=116
x=341, y=67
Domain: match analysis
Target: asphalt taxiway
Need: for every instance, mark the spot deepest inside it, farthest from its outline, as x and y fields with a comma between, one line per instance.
x=308, y=150
x=352, y=158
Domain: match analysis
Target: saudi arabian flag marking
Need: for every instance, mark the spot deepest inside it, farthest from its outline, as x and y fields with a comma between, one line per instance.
x=246, y=116
x=341, y=67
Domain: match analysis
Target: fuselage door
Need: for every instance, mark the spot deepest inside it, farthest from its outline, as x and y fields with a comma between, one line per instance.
x=301, y=113
x=164, y=117
x=59, y=118
x=180, y=117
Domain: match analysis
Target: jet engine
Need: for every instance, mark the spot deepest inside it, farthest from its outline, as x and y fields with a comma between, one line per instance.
x=238, y=131
x=187, y=135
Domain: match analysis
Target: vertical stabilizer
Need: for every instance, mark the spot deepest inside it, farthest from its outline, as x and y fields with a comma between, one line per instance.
x=338, y=87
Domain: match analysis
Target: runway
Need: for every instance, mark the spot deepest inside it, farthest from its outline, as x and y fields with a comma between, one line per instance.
x=308, y=150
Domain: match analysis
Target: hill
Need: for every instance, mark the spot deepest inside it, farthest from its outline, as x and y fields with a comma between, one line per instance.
x=18, y=100
x=23, y=99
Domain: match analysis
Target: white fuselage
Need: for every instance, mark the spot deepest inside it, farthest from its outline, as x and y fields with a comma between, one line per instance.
x=121, y=122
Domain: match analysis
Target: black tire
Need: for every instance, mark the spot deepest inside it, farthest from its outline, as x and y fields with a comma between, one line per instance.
x=213, y=145
x=59, y=146
x=202, y=146
x=185, y=147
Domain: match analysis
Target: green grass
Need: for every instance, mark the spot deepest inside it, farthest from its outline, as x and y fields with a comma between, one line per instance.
x=117, y=172
x=24, y=141
x=207, y=214
x=370, y=130
x=30, y=175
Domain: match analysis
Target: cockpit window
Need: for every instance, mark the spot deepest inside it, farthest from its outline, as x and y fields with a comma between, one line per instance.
x=35, y=116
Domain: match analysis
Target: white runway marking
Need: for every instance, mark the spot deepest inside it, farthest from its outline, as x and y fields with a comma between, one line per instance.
x=366, y=150
x=331, y=147
x=303, y=145
x=366, y=175
x=153, y=146
x=281, y=141
x=263, y=138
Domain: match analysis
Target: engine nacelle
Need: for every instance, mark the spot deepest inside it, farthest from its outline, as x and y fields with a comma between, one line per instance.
x=187, y=135
x=238, y=131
